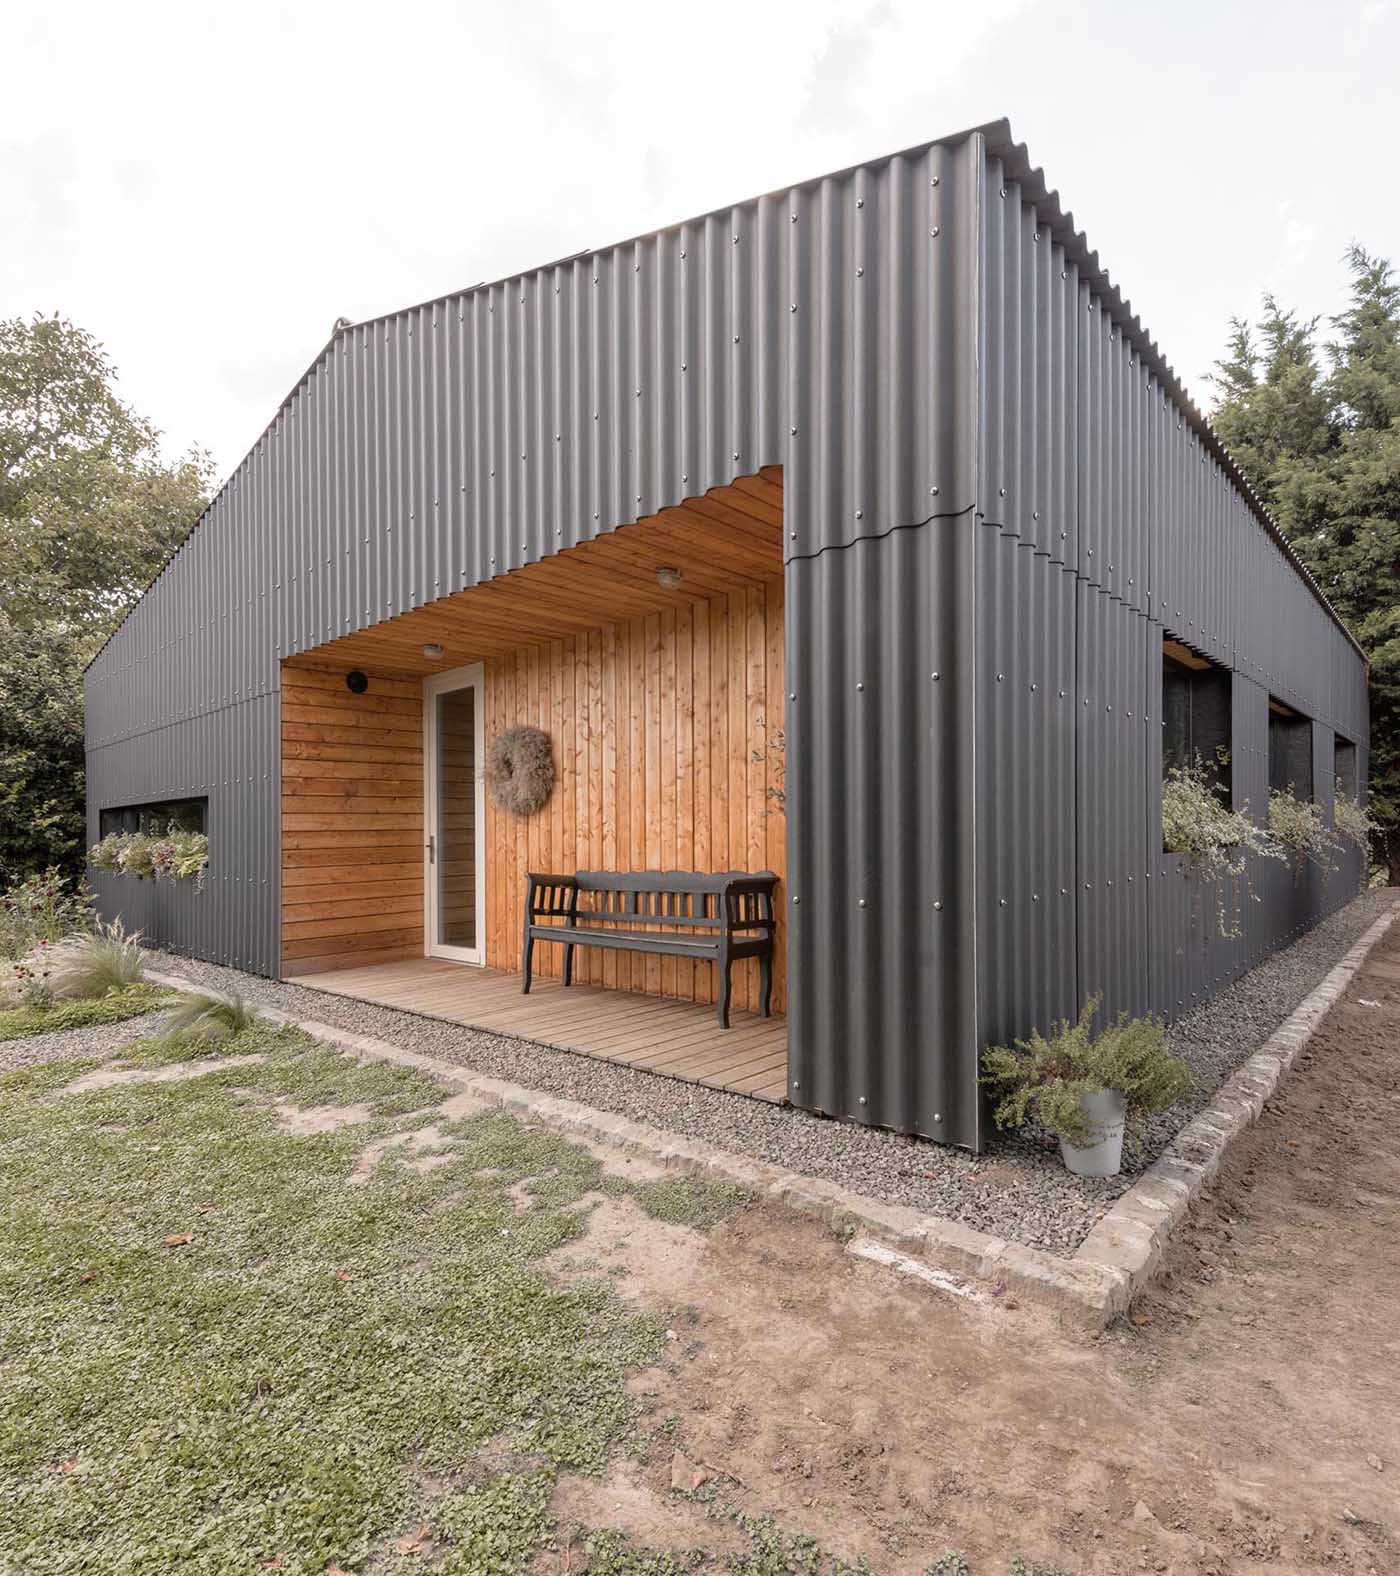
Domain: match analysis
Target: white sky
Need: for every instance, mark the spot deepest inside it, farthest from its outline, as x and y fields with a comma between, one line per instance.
x=208, y=188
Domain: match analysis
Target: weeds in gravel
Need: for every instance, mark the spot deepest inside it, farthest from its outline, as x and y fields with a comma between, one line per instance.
x=952, y=1563
x=687, y=1201
x=17, y=1023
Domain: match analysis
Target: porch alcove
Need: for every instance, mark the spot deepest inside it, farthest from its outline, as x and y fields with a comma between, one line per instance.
x=663, y=697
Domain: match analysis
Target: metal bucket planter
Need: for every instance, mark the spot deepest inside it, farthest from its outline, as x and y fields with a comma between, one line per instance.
x=1105, y=1111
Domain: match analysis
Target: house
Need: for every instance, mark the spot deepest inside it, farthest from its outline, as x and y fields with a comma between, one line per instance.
x=858, y=532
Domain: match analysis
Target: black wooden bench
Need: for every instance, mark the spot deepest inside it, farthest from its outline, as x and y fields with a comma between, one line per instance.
x=721, y=915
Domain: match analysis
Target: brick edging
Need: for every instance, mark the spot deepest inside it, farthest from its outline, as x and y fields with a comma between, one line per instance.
x=1111, y=1265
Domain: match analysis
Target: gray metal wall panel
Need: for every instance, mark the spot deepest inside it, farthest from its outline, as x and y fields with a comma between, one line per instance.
x=881, y=806
x=1026, y=832
x=233, y=756
x=831, y=328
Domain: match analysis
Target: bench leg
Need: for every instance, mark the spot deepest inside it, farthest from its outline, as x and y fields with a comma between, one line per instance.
x=568, y=966
x=724, y=992
x=765, y=984
x=526, y=960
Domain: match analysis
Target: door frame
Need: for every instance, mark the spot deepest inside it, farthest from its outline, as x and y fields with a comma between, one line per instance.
x=471, y=677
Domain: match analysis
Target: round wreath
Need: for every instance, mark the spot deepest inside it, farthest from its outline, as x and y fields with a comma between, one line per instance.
x=520, y=770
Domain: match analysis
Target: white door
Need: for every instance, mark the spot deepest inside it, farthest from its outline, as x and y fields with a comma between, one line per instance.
x=454, y=816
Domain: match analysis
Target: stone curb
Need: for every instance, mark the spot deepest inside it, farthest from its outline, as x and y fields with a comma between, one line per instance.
x=1130, y=1240
x=1112, y=1264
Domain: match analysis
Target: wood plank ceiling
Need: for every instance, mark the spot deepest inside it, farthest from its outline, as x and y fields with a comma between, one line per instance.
x=731, y=536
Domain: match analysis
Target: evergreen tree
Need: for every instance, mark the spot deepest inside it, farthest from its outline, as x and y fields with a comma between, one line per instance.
x=1322, y=447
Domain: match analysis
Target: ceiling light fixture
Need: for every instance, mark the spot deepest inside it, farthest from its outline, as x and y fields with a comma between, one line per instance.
x=432, y=651
x=669, y=576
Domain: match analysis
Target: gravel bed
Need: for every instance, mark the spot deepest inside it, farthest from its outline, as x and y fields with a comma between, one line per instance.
x=97, y=1039
x=1018, y=1189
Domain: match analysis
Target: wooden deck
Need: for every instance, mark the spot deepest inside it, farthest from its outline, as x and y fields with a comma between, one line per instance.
x=677, y=1038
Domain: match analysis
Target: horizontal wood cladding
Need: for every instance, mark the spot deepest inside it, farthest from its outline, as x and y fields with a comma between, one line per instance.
x=352, y=819
x=668, y=735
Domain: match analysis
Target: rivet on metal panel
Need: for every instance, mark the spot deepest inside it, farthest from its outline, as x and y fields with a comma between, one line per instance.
x=1035, y=236
x=1003, y=191
x=1001, y=492
x=1035, y=897
x=1033, y=688
x=999, y=678
x=1064, y=891
x=793, y=217
x=934, y=232
x=861, y=903
x=862, y=1099
x=933, y=492
x=934, y=181
x=736, y=339
x=860, y=273
x=795, y=1084
x=736, y=456
x=935, y=677
x=796, y=899
x=1035, y=514
x=860, y=202
x=736, y=239
x=860, y=687
x=860, y=514
x=938, y=906
x=1001, y=902
x=682, y=255
x=685, y=477
x=792, y=536
x=1062, y=694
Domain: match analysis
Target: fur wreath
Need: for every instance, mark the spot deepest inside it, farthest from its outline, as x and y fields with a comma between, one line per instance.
x=520, y=770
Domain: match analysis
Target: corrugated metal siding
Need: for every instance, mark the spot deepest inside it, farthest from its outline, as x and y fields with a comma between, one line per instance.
x=882, y=933
x=1090, y=458
x=988, y=469
x=233, y=756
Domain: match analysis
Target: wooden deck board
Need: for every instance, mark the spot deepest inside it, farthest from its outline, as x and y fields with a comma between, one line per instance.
x=679, y=1039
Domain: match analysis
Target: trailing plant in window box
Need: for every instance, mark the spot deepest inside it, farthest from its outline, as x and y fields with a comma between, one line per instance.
x=1213, y=840
x=1355, y=823
x=1053, y=1080
x=173, y=856
x=1296, y=826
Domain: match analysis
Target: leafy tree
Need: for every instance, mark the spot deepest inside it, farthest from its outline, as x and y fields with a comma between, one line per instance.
x=1319, y=436
x=89, y=511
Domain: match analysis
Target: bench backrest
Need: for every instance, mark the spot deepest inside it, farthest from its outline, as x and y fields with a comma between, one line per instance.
x=693, y=899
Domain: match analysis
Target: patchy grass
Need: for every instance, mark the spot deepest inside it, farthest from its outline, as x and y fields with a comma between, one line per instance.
x=283, y=1380
x=686, y=1201
x=18, y=1023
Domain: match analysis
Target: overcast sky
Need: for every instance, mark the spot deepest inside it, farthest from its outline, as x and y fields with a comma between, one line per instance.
x=208, y=188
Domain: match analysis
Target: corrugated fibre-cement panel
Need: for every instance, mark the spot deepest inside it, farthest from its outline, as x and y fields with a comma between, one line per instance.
x=882, y=931
x=1025, y=795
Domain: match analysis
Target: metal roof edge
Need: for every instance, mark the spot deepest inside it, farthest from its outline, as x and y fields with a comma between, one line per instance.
x=1060, y=222
x=998, y=143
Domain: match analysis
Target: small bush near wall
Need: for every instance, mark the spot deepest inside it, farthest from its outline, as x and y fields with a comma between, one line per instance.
x=42, y=909
x=174, y=856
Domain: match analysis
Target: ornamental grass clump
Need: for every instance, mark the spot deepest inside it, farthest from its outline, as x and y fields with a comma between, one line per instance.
x=82, y=968
x=1296, y=827
x=1045, y=1080
x=207, y=1018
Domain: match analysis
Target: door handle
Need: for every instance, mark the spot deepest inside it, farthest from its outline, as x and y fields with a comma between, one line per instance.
x=432, y=850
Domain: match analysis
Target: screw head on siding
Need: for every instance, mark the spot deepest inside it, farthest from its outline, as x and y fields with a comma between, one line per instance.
x=1001, y=492
x=934, y=232
x=1003, y=191
x=859, y=687
x=938, y=906
x=860, y=514
x=796, y=899
x=934, y=181
x=861, y=903
x=935, y=676
x=793, y=307
x=860, y=202
x=860, y=273
x=933, y=492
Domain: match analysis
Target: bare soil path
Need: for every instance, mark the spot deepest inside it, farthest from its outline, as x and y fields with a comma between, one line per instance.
x=1246, y=1419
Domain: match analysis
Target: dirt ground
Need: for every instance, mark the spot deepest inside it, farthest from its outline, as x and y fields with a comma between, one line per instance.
x=1245, y=1419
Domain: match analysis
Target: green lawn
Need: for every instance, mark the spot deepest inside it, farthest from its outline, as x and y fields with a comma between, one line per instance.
x=17, y=1023
x=312, y=1375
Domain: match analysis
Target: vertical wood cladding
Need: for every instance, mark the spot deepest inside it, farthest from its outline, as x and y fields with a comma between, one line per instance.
x=352, y=820
x=668, y=736
x=669, y=742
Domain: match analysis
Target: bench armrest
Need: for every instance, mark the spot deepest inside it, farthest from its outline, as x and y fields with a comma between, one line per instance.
x=550, y=894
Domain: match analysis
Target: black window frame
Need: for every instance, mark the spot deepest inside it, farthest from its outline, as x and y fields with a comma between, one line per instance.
x=1292, y=756
x=154, y=816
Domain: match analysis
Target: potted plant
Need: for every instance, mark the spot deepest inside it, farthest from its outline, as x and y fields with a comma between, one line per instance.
x=1084, y=1088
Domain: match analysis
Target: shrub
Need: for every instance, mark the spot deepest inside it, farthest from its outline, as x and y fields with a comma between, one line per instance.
x=1298, y=829
x=42, y=908
x=82, y=968
x=208, y=1017
x=1045, y=1079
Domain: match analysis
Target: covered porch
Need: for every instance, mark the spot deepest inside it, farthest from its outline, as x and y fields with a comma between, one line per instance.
x=652, y=658
x=653, y=1033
